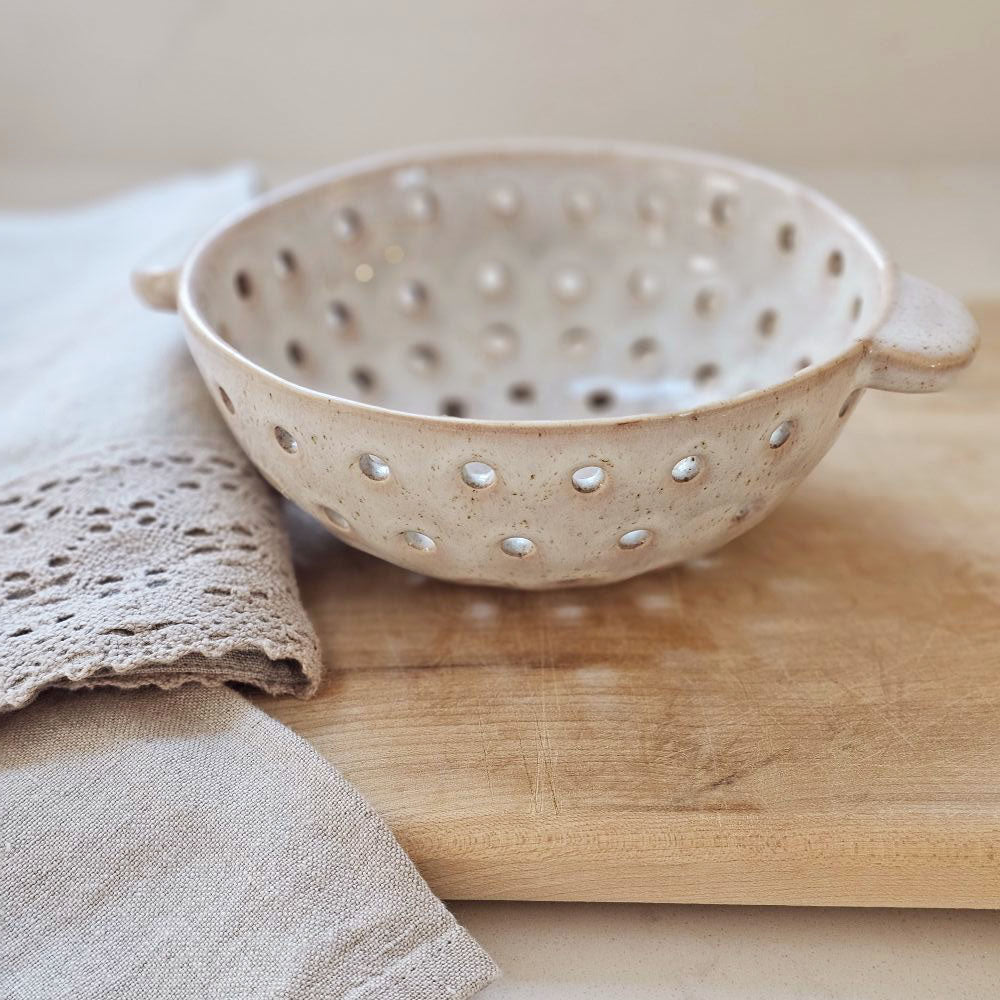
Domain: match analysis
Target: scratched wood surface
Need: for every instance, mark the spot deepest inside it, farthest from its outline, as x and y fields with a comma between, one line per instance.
x=810, y=716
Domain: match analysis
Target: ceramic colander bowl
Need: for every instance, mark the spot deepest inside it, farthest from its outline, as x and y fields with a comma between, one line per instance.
x=538, y=364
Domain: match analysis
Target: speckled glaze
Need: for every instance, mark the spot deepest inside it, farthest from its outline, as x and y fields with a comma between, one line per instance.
x=548, y=363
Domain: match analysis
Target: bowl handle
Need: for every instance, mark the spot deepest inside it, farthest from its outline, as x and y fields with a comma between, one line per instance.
x=926, y=337
x=157, y=287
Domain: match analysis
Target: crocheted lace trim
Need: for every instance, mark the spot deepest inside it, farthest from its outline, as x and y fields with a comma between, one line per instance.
x=158, y=566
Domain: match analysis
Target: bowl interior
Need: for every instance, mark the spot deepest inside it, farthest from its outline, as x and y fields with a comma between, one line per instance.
x=542, y=284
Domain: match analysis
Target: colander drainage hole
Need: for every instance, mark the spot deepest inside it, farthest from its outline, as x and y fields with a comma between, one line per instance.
x=499, y=340
x=420, y=205
x=643, y=348
x=452, y=407
x=226, y=401
x=423, y=357
x=295, y=352
x=569, y=285
x=644, y=286
x=588, y=479
x=633, y=539
x=704, y=374
x=521, y=392
x=363, y=379
x=653, y=207
x=336, y=518
x=706, y=302
x=600, y=399
x=478, y=475
x=419, y=541
x=518, y=547
x=243, y=285
x=767, y=322
x=686, y=469
x=346, y=225
x=412, y=298
x=577, y=340
x=374, y=467
x=780, y=434
x=338, y=316
x=722, y=210
x=786, y=238
x=493, y=279
x=504, y=200
x=285, y=264
x=835, y=263
x=581, y=204
x=285, y=439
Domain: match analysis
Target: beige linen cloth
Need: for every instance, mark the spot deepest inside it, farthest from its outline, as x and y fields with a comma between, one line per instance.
x=168, y=841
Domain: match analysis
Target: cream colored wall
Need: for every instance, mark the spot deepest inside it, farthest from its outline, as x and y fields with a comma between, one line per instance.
x=307, y=82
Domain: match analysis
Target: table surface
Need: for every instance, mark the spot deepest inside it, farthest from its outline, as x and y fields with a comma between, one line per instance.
x=943, y=222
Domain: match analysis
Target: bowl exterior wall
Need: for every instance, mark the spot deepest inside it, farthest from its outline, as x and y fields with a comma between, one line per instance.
x=312, y=448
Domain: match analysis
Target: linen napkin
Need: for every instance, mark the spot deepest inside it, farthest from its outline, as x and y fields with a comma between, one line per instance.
x=165, y=843
x=139, y=544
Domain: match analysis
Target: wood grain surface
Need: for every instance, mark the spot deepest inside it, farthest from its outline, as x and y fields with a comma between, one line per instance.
x=809, y=716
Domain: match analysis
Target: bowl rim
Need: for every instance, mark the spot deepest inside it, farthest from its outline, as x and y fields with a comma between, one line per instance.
x=513, y=148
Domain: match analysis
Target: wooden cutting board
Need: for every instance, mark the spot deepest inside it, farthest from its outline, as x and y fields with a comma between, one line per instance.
x=810, y=716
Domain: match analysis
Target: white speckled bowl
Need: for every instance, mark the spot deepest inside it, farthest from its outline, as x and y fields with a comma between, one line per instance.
x=546, y=363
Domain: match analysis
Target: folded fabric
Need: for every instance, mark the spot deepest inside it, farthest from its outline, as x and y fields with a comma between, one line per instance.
x=173, y=843
x=139, y=544
x=184, y=844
